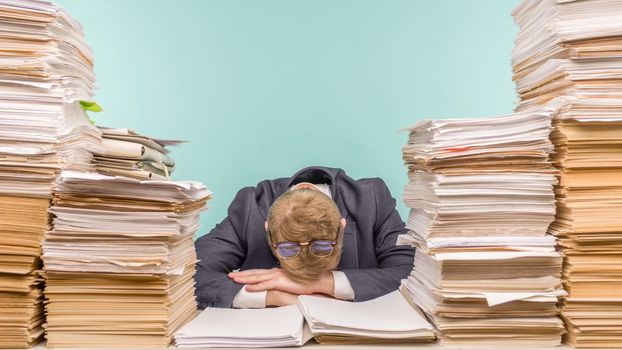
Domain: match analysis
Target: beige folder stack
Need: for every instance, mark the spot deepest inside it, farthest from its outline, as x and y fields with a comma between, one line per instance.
x=120, y=260
x=569, y=56
x=130, y=154
x=481, y=193
x=23, y=222
x=45, y=70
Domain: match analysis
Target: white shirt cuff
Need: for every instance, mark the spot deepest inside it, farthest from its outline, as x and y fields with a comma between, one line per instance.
x=249, y=300
x=343, y=288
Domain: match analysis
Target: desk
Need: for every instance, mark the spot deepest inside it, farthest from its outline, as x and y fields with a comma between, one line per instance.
x=311, y=345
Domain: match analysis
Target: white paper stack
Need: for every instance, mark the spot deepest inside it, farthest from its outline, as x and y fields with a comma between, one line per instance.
x=46, y=68
x=387, y=319
x=214, y=327
x=481, y=193
x=568, y=54
x=567, y=47
x=128, y=153
x=120, y=260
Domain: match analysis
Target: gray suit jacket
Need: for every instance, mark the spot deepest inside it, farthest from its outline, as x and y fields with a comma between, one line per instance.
x=370, y=259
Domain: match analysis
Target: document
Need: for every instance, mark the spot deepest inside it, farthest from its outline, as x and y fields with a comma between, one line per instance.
x=46, y=68
x=128, y=153
x=120, y=260
x=481, y=193
x=272, y=327
x=575, y=67
x=385, y=319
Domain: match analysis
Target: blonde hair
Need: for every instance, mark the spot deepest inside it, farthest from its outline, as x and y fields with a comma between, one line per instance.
x=303, y=215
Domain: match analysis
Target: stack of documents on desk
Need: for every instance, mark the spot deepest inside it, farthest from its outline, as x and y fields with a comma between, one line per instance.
x=23, y=221
x=130, y=154
x=21, y=309
x=45, y=69
x=569, y=55
x=273, y=327
x=481, y=193
x=387, y=319
x=581, y=30
x=120, y=260
x=571, y=48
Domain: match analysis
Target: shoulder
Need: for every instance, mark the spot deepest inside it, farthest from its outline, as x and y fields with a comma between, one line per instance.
x=266, y=189
x=364, y=187
x=255, y=201
x=379, y=193
x=363, y=195
x=243, y=197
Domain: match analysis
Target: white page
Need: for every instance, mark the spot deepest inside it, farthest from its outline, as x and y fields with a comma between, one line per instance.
x=270, y=323
x=498, y=298
x=493, y=255
x=391, y=313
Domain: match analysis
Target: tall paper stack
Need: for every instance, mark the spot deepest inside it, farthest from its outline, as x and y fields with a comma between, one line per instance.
x=120, y=260
x=128, y=153
x=481, y=193
x=45, y=69
x=569, y=54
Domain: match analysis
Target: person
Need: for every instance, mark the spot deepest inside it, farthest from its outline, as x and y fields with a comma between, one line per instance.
x=316, y=232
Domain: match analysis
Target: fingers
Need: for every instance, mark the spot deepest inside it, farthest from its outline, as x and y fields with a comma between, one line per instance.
x=250, y=272
x=267, y=285
x=253, y=279
x=255, y=276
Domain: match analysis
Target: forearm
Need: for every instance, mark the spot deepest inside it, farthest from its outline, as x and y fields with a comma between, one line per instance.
x=335, y=284
x=213, y=286
x=250, y=300
x=215, y=289
x=326, y=285
x=373, y=283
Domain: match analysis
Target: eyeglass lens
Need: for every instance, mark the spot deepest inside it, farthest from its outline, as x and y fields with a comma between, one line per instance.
x=292, y=249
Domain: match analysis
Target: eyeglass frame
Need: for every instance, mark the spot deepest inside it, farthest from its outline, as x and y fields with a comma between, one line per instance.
x=302, y=244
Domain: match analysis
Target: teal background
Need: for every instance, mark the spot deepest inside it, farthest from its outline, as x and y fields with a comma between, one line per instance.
x=264, y=88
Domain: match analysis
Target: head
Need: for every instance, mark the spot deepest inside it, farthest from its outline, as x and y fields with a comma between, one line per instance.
x=302, y=215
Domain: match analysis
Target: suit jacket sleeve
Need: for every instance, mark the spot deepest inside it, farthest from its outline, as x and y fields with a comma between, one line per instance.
x=222, y=251
x=394, y=262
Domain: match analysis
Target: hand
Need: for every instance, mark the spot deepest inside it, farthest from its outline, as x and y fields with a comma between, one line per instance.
x=261, y=279
x=279, y=298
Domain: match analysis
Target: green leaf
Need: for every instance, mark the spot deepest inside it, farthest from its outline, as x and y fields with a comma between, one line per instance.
x=90, y=106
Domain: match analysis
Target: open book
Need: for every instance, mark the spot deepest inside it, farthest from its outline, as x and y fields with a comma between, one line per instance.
x=387, y=319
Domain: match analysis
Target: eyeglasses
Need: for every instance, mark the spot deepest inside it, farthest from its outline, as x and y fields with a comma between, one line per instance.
x=320, y=248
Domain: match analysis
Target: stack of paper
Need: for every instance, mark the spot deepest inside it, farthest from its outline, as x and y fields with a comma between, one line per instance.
x=568, y=47
x=23, y=222
x=45, y=70
x=130, y=154
x=388, y=319
x=274, y=327
x=481, y=193
x=120, y=260
x=574, y=29
x=574, y=62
